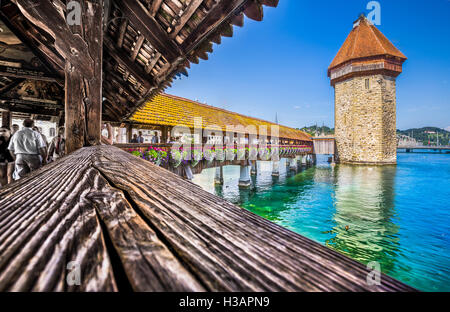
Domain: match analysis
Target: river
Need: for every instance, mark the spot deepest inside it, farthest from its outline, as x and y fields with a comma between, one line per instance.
x=398, y=215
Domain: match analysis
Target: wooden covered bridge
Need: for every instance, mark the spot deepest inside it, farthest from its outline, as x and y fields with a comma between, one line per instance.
x=119, y=221
x=215, y=129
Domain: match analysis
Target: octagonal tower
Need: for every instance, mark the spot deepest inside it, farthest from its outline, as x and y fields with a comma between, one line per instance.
x=363, y=74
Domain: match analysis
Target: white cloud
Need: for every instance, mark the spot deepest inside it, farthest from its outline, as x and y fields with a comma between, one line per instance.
x=296, y=107
x=448, y=128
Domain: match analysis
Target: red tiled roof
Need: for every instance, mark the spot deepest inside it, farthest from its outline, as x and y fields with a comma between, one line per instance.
x=365, y=40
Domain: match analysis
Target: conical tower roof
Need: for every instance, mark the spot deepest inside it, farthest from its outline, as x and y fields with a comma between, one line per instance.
x=365, y=41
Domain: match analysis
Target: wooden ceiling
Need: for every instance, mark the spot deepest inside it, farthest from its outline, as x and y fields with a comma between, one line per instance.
x=147, y=44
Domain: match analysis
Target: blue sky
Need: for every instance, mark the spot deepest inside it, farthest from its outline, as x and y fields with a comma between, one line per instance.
x=279, y=66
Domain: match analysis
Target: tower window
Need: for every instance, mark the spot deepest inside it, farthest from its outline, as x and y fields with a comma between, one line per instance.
x=367, y=84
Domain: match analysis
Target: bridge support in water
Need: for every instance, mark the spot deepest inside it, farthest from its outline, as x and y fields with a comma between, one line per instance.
x=218, y=178
x=254, y=168
x=244, y=178
x=293, y=164
x=276, y=168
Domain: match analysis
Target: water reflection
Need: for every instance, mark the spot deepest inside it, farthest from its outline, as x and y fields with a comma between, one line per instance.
x=396, y=215
x=364, y=213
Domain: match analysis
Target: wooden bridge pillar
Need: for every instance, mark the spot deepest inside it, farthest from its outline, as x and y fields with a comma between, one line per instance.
x=218, y=178
x=244, y=179
x=276, y=168
x=164, y=134
x=129, y=133
x=293, y=164
x=254, y=168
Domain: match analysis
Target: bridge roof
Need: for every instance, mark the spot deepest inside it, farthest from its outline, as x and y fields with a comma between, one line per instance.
x=145, y=45
x=171, y=110
x=365, y=41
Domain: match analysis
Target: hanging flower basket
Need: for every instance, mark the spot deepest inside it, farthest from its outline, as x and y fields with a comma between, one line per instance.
x=176, y=158
x=253, y=153
x=230, y=153
x=241, y=154
x=220, y=155
x=209, y=155
x=196, y=157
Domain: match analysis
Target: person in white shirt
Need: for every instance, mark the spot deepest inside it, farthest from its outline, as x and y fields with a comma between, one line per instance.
x=28, y=148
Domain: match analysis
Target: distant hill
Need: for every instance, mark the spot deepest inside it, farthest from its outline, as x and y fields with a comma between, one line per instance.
x=312, y=130
x=427, y=135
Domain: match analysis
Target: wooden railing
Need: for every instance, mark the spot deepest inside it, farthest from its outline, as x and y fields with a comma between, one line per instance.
x=127, y=224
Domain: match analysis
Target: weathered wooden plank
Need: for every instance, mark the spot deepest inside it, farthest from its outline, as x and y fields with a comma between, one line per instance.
x=48, y=225
x=148, y=263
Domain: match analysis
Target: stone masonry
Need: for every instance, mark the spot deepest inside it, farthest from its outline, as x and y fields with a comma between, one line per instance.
x=365, y=120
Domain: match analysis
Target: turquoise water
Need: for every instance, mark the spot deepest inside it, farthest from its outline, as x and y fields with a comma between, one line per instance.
x=396, y=215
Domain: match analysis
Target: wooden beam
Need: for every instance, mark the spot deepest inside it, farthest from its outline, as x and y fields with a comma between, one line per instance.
x=137, y=47
x=49, y=58
x=122, y=31
x=28, y=109
x=11, y=86
x=83, y=91
x=152, y=64
x=45, y=15
x=218, y=14
x=150, y=28
x=156, y=5
x=120, y=57
x=129, y=132
x=32, y=75
x=190, y=10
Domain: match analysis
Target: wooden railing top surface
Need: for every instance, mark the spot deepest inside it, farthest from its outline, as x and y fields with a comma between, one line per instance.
x=129, y=224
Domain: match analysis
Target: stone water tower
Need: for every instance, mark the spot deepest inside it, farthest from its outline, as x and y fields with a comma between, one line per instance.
x=363, y=75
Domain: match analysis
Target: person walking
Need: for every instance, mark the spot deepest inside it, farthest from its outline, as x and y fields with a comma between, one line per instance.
x=57, y=146
x=134, y=139
x=44, y=137
x=140, y=137
x=28, y=148
x=6, y=160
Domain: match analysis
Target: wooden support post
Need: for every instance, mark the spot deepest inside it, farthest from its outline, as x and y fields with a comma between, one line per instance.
x=83, y=93
x=82, y=48
x=7, y=120
x=276, y=168
x=254, y=169
x=244, y=179
x=218, y=179
x=164, y=133
x=129, y=133
x=293, y=164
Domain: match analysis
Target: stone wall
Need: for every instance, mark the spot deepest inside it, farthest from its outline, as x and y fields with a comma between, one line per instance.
x=365, y=120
